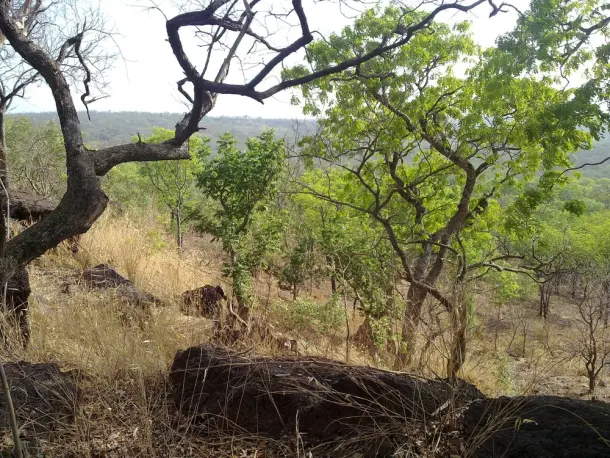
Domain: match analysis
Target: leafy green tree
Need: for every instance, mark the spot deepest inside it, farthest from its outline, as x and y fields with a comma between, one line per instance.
x=174, y=181
x=358, y=256
x=430, y=151
x=242, y=184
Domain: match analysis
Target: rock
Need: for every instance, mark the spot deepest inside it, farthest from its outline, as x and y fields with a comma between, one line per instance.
x=324, y=400
x=105, y=277
x=204, y=301
x=44, y=398
x=538, y=426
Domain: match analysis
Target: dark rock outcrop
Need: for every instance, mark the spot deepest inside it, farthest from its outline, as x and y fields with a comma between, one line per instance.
x=538, y=426
x=322, y=399
x=44, y=399
x=204, y=301
x=377, y=412
x=103, y=276
x=30, y=207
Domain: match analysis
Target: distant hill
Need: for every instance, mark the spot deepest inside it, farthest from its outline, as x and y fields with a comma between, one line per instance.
x=600, y=152
x=112, y=128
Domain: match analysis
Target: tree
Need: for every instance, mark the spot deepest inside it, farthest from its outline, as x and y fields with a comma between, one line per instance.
x=36, y=21
x=565, y=40
x=594, y=345
x=175, y=180
x=241, y=184
x=36, y=156
x=227, y=24
x=431, y=151
x=360, y=258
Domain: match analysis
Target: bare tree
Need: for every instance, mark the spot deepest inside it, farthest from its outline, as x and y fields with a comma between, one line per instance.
x=594, y=348
x=223, y=25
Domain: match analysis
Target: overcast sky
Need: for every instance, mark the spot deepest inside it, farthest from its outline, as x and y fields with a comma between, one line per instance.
x=145, y=80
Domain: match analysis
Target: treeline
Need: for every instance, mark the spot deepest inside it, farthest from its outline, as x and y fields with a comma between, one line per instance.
x=113, y=128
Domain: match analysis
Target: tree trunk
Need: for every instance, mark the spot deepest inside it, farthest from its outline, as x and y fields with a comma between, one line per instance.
x=605, y=299
x=333, y=279
x=179, y=227
x=459, y=322
x=575, y=284
x=5, y=220
x=415, y=301
x=364, y=337
x=592, y=381
x=545, y=299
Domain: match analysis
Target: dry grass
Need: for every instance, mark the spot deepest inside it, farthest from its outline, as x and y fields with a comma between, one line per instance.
x=125, y=407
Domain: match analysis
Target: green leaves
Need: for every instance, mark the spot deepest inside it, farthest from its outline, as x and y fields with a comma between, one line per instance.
x=242, y=182
x=36, y=156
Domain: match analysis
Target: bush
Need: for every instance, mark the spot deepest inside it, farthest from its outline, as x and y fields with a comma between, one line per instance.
x=308, y=315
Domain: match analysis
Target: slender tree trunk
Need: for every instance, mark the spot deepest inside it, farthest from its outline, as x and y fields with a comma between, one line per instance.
x=242, y=307
x=545, y=299
x=333, y=279
x=605, y=298
x=4, y=223
x=179, y=227
x=575, y=282
x=592, y=380
x=459, y=323
x=411, y=318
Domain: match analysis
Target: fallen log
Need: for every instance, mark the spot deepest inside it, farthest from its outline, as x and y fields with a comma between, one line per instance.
x=321, y=399
x=30, y=207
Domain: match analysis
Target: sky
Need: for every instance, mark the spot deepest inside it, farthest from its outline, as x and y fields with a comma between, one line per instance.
x=144, y=79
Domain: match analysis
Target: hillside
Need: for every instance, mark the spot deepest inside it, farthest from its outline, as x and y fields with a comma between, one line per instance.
x=112, y=128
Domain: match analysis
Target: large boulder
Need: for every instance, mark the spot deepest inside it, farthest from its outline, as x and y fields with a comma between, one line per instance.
x=44, y=398
x=204, y=301
x=323, y=400
x=538, y=426
x=103, y=276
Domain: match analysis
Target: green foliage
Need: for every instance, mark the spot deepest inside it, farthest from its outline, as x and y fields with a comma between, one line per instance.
x=576, y=207
x=36, y=156
x=127, y=184
x=360, y=256
x=174, y=181
x=424, y=154
x=241, y=182
x=308, y=315
x=301, y=264
x=242, y=185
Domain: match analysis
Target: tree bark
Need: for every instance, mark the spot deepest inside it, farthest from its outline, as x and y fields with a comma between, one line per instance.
x=3, y=151
x=545, y=299
x=333, y=280
x=459, y=322
x=411, y=318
